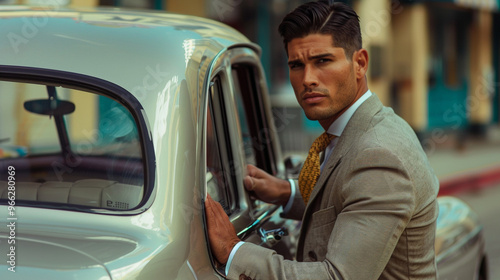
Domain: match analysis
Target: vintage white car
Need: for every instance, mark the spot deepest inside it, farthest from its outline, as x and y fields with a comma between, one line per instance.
x=114, y=127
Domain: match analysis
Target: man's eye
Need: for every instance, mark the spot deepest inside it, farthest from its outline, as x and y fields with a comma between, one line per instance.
x=323, y=60
x=294, y=65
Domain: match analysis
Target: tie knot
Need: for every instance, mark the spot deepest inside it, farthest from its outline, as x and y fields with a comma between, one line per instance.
x=321, y=142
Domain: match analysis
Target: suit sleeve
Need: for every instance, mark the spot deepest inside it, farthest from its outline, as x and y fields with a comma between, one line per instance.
x=378, y=201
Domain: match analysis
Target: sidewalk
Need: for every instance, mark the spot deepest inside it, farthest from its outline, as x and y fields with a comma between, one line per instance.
x=472, y=165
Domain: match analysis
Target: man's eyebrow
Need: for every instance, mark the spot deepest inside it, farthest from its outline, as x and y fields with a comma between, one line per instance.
x=323, y=55
x=317, y=56
x=295, y=61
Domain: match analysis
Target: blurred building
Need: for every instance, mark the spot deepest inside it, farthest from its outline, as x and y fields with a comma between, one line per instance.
x=436, y=62
x=444, y=64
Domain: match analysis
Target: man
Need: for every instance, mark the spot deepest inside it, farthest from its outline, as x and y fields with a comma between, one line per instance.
x=372, y=212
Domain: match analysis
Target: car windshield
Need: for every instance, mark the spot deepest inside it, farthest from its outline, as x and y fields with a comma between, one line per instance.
x=68, y=148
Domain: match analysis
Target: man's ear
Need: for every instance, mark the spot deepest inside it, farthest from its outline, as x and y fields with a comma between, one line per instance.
x=360, y=61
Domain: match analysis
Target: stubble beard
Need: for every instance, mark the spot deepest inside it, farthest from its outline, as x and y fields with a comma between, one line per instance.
x=319, y=114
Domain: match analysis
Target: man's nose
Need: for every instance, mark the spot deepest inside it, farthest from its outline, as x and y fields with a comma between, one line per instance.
x=310, y=77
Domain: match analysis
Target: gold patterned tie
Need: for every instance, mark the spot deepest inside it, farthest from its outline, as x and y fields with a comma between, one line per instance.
x=311, y=168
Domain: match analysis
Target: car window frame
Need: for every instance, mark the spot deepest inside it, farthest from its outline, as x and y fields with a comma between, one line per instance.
x=252, y=216
x=97, y=86
x=250, y=213
x=255, y=112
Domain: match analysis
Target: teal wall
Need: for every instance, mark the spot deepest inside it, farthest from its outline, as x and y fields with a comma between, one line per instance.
x=447, y=106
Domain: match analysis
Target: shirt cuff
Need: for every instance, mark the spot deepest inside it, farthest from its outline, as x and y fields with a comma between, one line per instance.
x=288, y=205
x=231, y=256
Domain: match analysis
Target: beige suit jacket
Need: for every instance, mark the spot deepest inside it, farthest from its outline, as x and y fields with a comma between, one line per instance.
x=371, y=215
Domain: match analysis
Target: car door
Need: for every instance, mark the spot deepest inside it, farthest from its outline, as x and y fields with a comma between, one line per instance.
x=240, y=131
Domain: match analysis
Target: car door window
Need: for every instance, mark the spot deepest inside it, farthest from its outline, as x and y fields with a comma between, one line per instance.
x=220, y=183
x=252, y=117
x=246, y=135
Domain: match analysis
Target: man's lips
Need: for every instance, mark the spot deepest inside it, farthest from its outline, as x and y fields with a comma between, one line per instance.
x=313, y=97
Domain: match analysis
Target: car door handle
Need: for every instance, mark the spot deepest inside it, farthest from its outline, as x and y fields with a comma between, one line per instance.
x=273, y=236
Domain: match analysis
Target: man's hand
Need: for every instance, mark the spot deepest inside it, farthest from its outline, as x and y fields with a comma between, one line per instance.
x=221, y=232
x=266, y=187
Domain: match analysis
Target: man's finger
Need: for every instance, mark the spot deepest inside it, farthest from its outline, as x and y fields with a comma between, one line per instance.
x=248, y=183
x=251, y=170
x=211, y=212
x=214, y=207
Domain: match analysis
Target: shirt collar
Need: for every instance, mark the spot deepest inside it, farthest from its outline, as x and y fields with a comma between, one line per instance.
x=338, y=126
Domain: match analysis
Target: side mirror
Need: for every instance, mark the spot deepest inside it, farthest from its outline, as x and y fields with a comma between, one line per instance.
x=293, y=164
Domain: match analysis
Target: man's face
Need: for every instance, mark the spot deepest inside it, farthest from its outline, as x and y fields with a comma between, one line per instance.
x=322, y=77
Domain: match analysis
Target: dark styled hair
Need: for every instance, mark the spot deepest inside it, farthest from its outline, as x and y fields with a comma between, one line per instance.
x=321, y=17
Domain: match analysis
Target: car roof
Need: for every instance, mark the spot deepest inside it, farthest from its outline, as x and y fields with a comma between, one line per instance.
x=129, y=48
